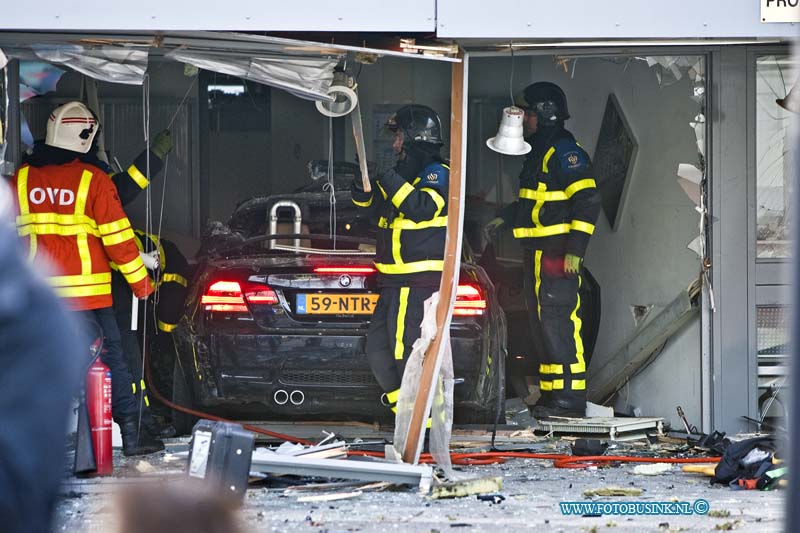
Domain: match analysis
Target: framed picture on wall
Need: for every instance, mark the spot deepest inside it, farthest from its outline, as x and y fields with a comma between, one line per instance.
x=614, y=157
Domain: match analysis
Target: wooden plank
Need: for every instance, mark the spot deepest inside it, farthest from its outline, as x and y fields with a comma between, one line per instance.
x=452, y=265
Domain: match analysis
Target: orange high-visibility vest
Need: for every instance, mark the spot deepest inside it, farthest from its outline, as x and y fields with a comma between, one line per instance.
x=71, y=214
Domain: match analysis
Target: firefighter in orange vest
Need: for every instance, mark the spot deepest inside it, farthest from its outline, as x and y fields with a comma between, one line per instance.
x=69, y=215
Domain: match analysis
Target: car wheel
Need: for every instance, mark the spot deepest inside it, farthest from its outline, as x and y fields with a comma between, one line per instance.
x=182, y=396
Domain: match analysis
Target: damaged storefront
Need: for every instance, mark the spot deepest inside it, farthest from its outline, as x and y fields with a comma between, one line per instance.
x=253, y=153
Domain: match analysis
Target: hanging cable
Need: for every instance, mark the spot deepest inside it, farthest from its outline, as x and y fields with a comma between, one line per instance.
x=148, y=225
x=511, y=77
x=330, y=186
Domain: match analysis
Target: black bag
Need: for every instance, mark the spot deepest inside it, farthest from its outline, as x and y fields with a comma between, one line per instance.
x=221, y=454
x=730, y=467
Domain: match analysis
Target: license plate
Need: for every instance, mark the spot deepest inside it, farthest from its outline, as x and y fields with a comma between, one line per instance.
x=336, y=304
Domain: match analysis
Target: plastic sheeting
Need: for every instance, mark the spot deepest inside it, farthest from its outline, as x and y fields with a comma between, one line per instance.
x=442, y=408
x=111, y=64
x=304, y=77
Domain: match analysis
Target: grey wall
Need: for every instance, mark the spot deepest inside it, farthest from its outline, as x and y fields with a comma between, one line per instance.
x=393, y=82
x=644, y=262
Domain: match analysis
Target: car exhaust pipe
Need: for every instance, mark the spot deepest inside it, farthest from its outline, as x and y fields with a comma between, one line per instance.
x=280, y=397
x=297, y=397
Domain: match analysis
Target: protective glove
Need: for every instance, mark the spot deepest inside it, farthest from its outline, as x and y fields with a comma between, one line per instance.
x=572, y=265
x=162, y=144
x=490, y=230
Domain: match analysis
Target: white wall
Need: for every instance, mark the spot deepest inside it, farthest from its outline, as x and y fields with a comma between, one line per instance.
x=644, y=262
x=590, y=19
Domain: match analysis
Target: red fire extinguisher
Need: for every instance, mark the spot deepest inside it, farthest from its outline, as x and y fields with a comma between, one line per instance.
x=98, y=401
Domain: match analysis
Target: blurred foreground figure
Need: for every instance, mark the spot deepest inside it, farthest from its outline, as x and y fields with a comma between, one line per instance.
x=41, y=355
x=169, y=508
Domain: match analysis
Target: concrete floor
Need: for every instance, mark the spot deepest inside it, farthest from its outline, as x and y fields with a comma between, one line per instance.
x=532, y=491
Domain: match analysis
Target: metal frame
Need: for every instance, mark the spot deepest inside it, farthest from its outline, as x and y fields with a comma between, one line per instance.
x=402, y=474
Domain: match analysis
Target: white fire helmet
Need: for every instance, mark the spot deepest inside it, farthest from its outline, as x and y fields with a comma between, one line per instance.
x=72, y=127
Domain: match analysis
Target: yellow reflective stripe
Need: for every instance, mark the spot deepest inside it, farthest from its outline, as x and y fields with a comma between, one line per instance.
x=22, y=190
x=56, y=229
x=406, y=224
x=401, y=323
x=163, y=326
x=122, y=236
x=429, y=265
x=551, y=369
x=84, y=254
x=177, y=278
x=547, y=157
x=131, y=266
x=580, y=366
x=401, y=194
x=558, y=384
x=537, y=275
x=83, y=193
x=363, y=204
x=579, y=186
x=136, y=276
x=578, y=384
x=142, y=384
x=544, y=231
x=90, y=279
x=538, y=207
x=383, y=222
x=383, y=192
x=34, y=245
x=113, y=227
x=88, y=290
x=146, y=400
x=393, y=396
x=396, y=254
x=133, y=387
x=56, y=218
x=437, y=199
x=547, y=196
x=545, y=385
x=138, y=177
x=579, y=225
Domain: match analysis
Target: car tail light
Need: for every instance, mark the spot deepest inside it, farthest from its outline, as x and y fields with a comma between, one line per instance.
x=344, y=270
x=469, y=301
x=227, y=297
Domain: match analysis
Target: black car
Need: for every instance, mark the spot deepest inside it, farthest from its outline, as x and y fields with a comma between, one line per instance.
x=278, y=311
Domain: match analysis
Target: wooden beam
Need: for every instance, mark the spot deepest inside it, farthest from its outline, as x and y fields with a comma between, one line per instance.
x=452, y=266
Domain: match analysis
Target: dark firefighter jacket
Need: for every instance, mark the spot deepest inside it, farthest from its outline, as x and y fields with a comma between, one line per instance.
x=412, y=225
x=171, y=278
x=558, y=201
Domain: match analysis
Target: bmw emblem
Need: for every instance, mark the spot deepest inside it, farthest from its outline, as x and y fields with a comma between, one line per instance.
x=345, y=280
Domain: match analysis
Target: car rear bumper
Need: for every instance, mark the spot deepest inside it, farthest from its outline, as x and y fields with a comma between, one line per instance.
x=307, y=376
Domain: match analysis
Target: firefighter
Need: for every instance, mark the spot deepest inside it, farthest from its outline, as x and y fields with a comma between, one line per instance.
x=410, y=204
x=69, y=214
x=553, y=219
x=170, y=279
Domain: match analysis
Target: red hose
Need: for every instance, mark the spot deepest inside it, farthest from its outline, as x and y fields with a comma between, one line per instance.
x=559, y=461
x=463, y=459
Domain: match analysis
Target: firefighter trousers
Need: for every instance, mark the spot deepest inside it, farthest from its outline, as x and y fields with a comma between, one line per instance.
x=123, y=403
x=556, y=317
x=394, y=327
x=129, y=339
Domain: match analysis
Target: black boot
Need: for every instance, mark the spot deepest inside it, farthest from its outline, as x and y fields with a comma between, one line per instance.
x=136, y=442
x=566, y=407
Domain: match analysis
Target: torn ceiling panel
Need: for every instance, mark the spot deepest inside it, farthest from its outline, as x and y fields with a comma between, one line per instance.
x=304, y=77
x=111, y=64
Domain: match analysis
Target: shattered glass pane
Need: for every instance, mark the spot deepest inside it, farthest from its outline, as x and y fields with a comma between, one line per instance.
x=775, y=77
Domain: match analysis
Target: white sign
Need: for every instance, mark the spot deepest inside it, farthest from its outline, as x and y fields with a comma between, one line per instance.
x=780, y=10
